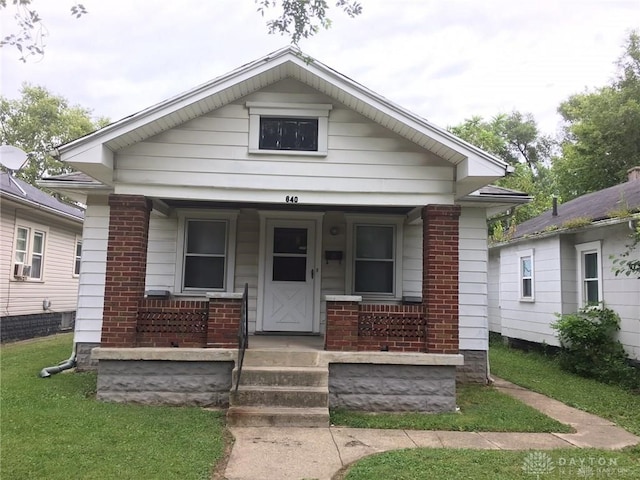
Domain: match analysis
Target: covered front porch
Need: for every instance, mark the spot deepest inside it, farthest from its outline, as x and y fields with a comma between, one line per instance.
x=362, y=282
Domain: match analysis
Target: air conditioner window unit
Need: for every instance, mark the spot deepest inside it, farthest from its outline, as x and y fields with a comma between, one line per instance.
x=18, y=269
x=21, y=271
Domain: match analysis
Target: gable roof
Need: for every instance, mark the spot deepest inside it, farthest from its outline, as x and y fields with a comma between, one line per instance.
x=93, y=153
x=22, y=192
x=595, y=206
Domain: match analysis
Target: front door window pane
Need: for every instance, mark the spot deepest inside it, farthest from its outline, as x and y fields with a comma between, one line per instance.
x=290, y=240
x=289, y=254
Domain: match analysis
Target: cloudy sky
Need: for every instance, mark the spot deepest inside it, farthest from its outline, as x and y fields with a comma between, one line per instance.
x=444, y=60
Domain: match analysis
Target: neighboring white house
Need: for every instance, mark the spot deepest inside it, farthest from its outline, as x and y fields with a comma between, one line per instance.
x=286, y=175
x=560, y=261
x=41, y=244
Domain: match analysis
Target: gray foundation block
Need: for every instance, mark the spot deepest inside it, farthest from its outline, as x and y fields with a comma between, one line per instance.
x=165, y=383
x=392, y=388
x=84, y=362
x=474, y=369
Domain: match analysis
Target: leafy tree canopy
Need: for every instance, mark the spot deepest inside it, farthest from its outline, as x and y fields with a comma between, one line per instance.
x=601, y=137
x=36, y=123
x=515, y=138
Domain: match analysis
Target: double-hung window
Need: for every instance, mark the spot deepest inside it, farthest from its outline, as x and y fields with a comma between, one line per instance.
x=206, y=252
x=376, y=258
x=526, y=275
x=29, y=252
x=589, y=273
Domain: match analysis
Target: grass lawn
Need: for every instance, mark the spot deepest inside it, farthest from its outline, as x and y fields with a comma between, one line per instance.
x=541, y=374
x=482, y=409
x=55, y=429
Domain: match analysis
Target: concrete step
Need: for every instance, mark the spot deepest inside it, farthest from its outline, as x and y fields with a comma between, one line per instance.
x=283, y=376
x=289, y=396
x=272, y=358
x=277, y=417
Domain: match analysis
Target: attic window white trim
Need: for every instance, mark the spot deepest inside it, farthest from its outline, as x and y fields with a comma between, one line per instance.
x=319, y=111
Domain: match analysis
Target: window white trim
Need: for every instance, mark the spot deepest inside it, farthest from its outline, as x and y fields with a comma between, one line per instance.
x=319, y=111
x=77, y=259
x=28, y=252
x=581, y=250
x=230, y=217
x=379, y=220
x=522, y=255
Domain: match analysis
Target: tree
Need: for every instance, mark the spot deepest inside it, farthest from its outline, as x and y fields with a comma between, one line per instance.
x=296, y=18
x=36, y=123
x=30, y=37
x=515, y=138
x=601, y=136
x=303, y=18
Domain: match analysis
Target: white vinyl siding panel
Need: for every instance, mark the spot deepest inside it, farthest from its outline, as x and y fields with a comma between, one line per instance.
x=57, y=283
x=531, y=320
x=621, y=293
x=473, y=301
x=362, y=157
x=92, y=273
x=493, y=292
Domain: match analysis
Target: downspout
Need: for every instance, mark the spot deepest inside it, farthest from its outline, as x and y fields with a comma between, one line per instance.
x=62, y=366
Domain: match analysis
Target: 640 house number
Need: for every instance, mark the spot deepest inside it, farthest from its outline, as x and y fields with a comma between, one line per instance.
x=291, y=199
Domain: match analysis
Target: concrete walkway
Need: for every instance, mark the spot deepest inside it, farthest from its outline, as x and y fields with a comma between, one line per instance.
x=262, y=453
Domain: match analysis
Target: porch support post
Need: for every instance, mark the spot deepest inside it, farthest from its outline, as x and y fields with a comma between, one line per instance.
x=126, y=268
x=440, y=283
x=342, y=323
x=223, y=326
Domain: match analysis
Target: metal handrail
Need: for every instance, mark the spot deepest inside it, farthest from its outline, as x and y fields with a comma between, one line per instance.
x=243, y=332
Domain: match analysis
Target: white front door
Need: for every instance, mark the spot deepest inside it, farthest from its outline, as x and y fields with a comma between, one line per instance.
x=289, y=276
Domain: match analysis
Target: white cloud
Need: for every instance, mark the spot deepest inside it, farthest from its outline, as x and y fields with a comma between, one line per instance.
x=445, y=61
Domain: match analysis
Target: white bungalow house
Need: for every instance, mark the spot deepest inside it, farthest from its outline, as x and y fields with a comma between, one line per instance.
x=352, y=220
x=41, y=241
x=561, y=261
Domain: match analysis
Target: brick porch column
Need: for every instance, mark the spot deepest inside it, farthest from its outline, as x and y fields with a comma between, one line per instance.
x=126, y=268
x=342, y=323
x=223, y=326
x=440, y=283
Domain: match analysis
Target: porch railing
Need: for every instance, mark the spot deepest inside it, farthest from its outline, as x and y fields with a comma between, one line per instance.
x=243, y=332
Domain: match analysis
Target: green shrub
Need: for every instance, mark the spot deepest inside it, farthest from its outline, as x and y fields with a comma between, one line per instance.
x=589, y=348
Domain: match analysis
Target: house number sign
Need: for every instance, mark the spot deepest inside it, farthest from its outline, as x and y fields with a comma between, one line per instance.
x=291, y=199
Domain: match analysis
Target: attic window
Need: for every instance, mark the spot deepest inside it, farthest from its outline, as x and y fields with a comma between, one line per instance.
x=288, y=128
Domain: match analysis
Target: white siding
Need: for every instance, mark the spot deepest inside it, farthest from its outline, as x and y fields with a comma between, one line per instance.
x=556, y=287
x=213, y=151
x=473, y=279
x=92, y=272
x=525, y=319
x=493, y=292
x=58, y=285
x=161, y=253
x=621, y=293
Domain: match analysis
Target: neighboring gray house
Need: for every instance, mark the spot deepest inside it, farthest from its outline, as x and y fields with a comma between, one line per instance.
x=41, y=241
x=560, y=261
